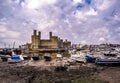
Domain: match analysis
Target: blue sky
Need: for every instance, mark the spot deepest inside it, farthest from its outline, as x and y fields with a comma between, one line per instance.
x=80, y=21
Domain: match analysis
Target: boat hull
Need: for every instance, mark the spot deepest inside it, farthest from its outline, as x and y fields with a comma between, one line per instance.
x=36, y=58
x=90, y=59
x=108, y=62
x=47, y=58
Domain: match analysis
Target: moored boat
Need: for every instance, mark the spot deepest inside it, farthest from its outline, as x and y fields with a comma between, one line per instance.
x=112, y=62
x=15, y=59
x=36, y=58
x=47, y=57
x=78, y=58
x=26, y=57
x=110, y=54
x=90, y=59
x=5, y=57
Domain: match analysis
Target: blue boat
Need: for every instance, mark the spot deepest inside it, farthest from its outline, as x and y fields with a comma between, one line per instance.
x=90, y=59
x=112, y=62
x=15, y=59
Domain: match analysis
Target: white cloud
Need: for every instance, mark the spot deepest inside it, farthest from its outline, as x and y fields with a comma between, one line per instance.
x=55, y=31
x=43, y=25
x=9, y=34
x=91, y=12
x=75, y=35
x=84, y=42
x=105, y=4
x=117, y=17
x=117, y=29
x=12, y=34
x=2, y=29
x=77, y=1
x=5, y=33
x=80, y=15
x=101, y=31
x=84, y=15
x=68, y=22
x=35, y=4
x=101, y=39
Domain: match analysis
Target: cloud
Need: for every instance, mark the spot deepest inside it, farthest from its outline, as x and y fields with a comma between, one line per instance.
x=12, y=34
x=101, y=40
x=2, y=29
x=36, y=4
x=76, y=20
x=91, y=12
x=117, y=29
x=45, y=25
x=5, y=33
x=77, y=1
x=84, y=42
x=105, y=4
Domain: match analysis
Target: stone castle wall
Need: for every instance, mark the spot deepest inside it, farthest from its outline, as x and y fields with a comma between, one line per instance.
x=52, y=42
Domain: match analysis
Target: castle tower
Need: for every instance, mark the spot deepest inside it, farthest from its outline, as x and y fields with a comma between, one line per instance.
x=50, y=34
x=39, y=38
x=35, y=32
x=35, y=39
x=39, y=34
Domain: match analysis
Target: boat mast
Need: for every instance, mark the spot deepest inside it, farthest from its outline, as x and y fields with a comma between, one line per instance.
x=13, y=44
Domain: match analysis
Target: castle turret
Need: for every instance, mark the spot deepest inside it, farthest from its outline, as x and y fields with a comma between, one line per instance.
x=50, y=34
x=35, y=39
x=39, y=37
x=39, y=33
x=35, y=32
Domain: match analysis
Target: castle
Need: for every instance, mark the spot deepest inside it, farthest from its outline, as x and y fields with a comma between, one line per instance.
x=53, y=42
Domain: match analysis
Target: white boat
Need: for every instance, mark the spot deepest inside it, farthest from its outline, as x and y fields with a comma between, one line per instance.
x=78, y=58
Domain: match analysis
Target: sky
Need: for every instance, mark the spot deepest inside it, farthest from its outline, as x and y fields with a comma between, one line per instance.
x=79, y=21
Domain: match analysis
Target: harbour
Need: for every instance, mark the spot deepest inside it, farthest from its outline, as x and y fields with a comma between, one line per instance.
x=80, y=65
x=59, y=41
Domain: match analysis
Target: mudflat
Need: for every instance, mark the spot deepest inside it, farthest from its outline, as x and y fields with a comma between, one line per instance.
x=17, y=73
